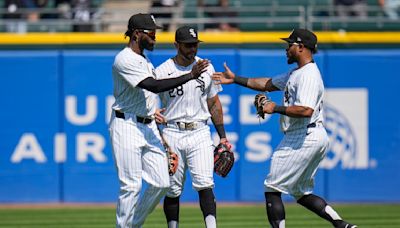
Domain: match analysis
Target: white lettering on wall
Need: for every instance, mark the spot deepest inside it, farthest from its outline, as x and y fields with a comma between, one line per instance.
x=28, y=148
x=258, y=145
x=246, y=104
x=90, y=144
x=71, y=110
x=60, y=148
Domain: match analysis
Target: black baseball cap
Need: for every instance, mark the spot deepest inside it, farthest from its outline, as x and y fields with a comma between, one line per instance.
x=186, y=34
x=303, y=36
x=142, y=21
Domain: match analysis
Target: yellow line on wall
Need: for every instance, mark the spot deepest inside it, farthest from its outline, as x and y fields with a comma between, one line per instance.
x=208, y=37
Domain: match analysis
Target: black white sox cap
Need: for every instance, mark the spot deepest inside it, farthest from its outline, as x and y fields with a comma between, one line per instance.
x=142, y=21
x=186, y=34
x=303, y=36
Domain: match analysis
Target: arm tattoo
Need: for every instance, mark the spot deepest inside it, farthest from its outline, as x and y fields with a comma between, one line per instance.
x=215, y=108
x=259, y=84
x=280, y=109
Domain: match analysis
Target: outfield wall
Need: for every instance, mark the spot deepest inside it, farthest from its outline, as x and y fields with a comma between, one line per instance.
x=55, y=106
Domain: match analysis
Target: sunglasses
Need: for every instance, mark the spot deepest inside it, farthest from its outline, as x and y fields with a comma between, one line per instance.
x=294, y=43
x=150, y=33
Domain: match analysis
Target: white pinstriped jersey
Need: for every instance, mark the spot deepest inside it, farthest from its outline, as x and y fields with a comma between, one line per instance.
x=302, y=87
x=183, y=101
x=137, y=148
x=128, y=70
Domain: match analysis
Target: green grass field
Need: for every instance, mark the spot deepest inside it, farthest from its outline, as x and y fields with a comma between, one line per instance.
x=229, y=216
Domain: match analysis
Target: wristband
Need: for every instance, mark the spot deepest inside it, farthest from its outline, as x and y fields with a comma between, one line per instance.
x=241, y=80
x=280, y=109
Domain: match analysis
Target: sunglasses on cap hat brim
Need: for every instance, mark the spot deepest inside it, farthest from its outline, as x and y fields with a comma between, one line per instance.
x=291, y=42
x=150, y=33
x=294, y=43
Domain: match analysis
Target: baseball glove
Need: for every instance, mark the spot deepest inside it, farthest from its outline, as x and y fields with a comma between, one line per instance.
x=259, y=101
x=172, y=161
x=223, y=159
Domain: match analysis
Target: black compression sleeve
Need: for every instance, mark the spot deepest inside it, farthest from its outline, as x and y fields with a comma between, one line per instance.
x=158, y=86
x=241, y=80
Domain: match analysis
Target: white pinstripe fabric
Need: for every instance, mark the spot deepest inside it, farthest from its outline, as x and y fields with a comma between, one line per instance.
x=303, y=87
x=193, y=147
x=192, y=105
x=195, y=151
x=137, y=149
x=297, y=157
x=295, y=161
x=138, y=153
x=129, y=69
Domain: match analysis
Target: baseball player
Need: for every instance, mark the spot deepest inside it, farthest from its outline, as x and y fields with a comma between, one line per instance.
x=185, y=114
x=296, y=159
x=137, y=148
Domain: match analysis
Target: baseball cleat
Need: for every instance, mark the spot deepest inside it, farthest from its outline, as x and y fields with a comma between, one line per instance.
x=345, y=224
x=350, y=226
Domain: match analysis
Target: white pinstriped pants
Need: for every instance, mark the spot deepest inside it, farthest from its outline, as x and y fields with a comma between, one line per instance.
x=296, y=160
x=138, y=152
x=195, y=151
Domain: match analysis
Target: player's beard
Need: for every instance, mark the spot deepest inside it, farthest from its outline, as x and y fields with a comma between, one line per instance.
x=188, y=57
x=291, y=59
x=145, y=44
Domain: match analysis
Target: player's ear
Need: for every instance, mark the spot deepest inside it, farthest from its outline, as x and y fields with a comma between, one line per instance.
x=301, y=47
x=135, y=35
x=176, y=45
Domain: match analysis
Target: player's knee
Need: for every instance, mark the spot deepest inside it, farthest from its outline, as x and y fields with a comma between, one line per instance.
x=207, y=202
x=298, y=197
x=130, y=187
x=173, y=194
x=165, y=184
x=162, y=184
x=174, y=191
x=209, y=184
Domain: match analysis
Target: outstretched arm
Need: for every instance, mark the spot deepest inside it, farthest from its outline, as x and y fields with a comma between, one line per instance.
x=215, y=109
x=158, y=86
x=228, y=77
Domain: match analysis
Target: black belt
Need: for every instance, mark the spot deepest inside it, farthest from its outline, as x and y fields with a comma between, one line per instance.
x=315, y=124
x=311, y=125
x=139, y=119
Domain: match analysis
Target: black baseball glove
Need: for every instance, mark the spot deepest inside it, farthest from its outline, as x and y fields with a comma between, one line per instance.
x=259, y=101
x=223, y=159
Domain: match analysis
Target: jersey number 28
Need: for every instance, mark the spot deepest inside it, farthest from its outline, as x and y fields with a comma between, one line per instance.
x=179, y=91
